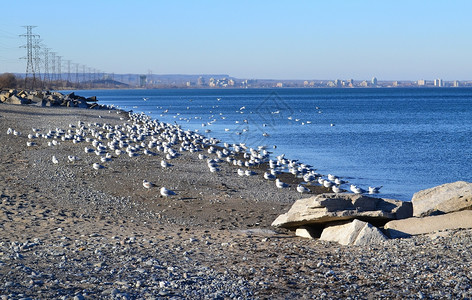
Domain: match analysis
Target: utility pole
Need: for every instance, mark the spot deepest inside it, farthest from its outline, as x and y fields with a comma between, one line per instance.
x=29, y=54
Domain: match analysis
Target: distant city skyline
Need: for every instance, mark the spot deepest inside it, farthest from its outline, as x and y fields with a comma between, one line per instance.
x=302, y=40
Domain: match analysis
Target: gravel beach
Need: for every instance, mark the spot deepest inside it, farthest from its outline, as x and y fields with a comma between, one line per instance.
x=69, y=231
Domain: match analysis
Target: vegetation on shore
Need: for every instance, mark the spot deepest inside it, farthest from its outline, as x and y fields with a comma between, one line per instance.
x=10, y=81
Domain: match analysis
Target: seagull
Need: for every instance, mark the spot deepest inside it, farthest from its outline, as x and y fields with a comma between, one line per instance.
x=374, y=190
x=54, y=160
x=147, y=184
x=241, y=172
x=166, y=193
x=280, y=184
x=356, y=190
x=249, y=172
x=336, y=189
x=165, y=164
x=327, y=183
x=301, y=189
x=72, y=158
x=213, y=168
x=332, y=177
x=269, y=176
x=97, y=166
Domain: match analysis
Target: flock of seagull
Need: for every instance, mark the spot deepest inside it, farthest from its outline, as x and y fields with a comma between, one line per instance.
x=141, y=135
x=242, y=117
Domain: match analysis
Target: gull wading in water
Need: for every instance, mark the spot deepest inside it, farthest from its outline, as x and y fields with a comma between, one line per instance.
x=166, y=193
x=356, y=190
x=374, y=190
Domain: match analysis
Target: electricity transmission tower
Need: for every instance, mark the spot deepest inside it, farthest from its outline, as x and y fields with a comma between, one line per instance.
x=37, y=59
x=46, y=65
x=29, y=54
x=68, y=70
x=77, y=74
x=53, y=65
x=59, y=65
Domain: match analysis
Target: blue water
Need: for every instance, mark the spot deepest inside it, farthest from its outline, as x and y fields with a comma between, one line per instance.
x=403, y=139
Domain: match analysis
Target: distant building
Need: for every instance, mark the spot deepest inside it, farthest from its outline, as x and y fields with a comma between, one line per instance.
x=142, y=80
x=279, y=84
x=374, y=81
x=396, y=83
x=456, y=83
x=364, y=83
x=421, y=82
x=438, y=83
x=201, y=81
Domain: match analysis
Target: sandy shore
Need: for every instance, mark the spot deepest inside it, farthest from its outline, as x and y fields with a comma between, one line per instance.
x=68, y=230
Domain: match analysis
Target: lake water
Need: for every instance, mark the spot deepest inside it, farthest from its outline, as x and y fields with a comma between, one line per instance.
x=402, y=139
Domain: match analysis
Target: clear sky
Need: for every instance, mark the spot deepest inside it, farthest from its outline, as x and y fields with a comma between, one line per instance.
x=392, y=40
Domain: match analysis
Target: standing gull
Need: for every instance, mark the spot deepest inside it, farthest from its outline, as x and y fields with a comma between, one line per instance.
x=166, y=193
x=147, y=184
x=302, y=189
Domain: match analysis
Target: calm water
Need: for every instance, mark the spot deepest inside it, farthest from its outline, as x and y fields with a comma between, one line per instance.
x=403, y=139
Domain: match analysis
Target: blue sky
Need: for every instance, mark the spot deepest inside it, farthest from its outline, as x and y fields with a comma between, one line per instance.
x=392, y=40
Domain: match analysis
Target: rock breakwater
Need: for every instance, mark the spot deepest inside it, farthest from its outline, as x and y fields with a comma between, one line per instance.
x=47, y=98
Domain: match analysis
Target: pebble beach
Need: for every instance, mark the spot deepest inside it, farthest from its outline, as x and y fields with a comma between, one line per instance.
x=70, y=231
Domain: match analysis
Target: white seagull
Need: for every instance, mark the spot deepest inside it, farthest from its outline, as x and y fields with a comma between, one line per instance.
x=54, y=160
x=97, y=166
x=374, y=190
x=336, y=189
x=147, y=184
x=166, y=193
x=280, y=184
x=302, y=189
x=356, y=190
x=269, y=176
x=165, y=164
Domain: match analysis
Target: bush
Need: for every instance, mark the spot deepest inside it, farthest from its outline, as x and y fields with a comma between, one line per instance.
x=7, y=81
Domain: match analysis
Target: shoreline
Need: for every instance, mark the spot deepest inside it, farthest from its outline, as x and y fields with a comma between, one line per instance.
x=69, y=230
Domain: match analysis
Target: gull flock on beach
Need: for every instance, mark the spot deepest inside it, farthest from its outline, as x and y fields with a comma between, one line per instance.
x=140, y=136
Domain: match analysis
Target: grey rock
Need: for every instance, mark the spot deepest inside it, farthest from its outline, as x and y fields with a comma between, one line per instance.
x=444, y=198
x=415, y=226
x=353, y=233
x=327, y=208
